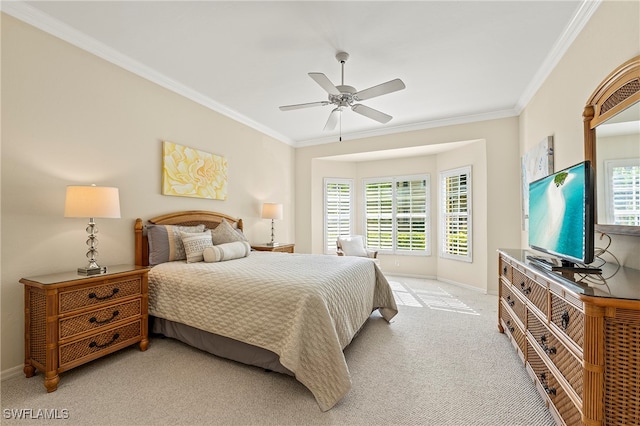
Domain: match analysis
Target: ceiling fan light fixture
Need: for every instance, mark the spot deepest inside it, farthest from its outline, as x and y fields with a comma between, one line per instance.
x=345, y=96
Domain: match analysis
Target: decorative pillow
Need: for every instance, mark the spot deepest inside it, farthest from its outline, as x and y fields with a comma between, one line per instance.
x=224, y=233
x=226, y=251
x=353, y=246
x=165, y=242
x=194, y=245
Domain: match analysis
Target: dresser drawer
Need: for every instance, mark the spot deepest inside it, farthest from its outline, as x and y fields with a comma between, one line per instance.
x=100, y=344
x=569, y=319
x=505, y=269
x=101, y=293
x=560, y=355
x=513, y=329
x=547, y=382
x=533, y=291
x=94, y=320
x=513, y=301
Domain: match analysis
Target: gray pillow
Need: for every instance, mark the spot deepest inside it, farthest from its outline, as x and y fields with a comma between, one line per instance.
x=165, y=242
x=225, y=233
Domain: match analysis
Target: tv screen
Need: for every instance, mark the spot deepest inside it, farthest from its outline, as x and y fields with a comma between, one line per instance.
x=561, y=214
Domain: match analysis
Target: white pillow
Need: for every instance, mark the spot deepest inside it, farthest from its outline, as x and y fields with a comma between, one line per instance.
x=226, y=251
x=194, y=245
x=353, y=246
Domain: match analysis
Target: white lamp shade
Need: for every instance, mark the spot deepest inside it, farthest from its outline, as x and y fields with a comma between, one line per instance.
x=272, y=211
x=92, y=201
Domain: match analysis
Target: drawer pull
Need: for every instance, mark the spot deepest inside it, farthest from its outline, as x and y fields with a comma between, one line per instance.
x=510, y=302
x=525, y=290
x=113, y=316
x=548, y=350
x=565, y=319
x=504, y=270
x=547, y=389
x=113, y=293
x=113, y=339
x=509, y=326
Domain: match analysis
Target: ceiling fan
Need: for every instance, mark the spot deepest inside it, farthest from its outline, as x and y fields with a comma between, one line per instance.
x=346, y=96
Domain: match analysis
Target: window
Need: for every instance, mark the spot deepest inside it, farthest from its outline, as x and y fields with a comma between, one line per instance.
x=622, y=191
x=455, y=214
x=338, y=202
x=397, y=214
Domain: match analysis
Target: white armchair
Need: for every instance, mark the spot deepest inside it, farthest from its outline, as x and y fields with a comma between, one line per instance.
x=353, y=245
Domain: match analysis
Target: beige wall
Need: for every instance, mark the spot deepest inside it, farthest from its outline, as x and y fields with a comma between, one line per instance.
x=471, y=273
x=495, y=161
x=611, y=37
x=71, y=118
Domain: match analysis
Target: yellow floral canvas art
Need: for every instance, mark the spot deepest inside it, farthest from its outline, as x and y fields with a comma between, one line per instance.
x=188, y=172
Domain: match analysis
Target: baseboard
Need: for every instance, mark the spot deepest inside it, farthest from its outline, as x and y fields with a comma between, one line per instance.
x=463, y=285
x=423, y=277
x=10, y=372
x=444, y=280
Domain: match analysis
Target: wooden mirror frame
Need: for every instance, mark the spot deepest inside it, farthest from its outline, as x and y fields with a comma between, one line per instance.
x=618, y=91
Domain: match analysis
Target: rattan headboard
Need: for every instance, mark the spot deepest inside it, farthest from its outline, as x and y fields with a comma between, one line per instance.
x=191, y=217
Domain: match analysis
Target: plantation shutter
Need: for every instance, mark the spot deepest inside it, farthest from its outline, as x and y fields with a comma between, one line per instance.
x=396, y=214
x=624, y=192
x=411, y=214
x=455, y=214
x=338, y=196
x=379, y=215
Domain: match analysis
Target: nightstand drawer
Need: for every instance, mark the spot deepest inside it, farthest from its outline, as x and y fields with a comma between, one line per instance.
x=93, y=320
x=100, y=344
x=87, y=296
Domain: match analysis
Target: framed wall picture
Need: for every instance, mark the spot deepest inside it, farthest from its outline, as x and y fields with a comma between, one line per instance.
x=536, y=164
x=188, y=172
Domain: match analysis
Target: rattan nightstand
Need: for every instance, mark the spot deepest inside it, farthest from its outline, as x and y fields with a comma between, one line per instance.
x=284, y=248
x=72, y=319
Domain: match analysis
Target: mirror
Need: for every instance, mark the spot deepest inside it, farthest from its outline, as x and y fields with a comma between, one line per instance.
x=612, y=143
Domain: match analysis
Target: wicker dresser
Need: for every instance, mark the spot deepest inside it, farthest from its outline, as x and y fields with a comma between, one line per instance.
x=72, y=319
x=580, y=342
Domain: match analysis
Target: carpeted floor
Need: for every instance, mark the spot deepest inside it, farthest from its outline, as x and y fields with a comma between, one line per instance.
x=440, y=362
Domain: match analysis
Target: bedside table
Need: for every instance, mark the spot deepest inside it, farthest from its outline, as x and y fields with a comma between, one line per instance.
x=284, y=248
x=71, y=319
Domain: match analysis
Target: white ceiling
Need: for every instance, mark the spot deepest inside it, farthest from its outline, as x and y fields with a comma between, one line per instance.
x=461, y=61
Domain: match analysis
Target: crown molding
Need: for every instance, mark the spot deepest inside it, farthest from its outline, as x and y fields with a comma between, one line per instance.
x=452, y=121
x=46, y=23
x=583, y=15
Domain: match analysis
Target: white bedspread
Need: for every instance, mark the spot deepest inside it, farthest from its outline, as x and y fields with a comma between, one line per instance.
x=305, y=308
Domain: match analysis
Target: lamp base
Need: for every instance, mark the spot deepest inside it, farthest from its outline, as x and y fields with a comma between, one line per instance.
x=92, y=271
x=272, y=244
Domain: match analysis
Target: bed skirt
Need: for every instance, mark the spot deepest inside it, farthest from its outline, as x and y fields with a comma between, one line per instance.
x=221, y=346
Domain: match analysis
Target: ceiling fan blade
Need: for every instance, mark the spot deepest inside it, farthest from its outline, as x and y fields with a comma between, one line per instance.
x=333, y=119
x=324, y=82
x=380, y=89
x=307, y=105
x=371, y=113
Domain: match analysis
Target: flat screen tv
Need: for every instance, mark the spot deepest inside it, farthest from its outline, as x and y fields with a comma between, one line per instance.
x=561, y=214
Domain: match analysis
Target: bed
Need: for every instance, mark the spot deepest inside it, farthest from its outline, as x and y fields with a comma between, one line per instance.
x=289, y=313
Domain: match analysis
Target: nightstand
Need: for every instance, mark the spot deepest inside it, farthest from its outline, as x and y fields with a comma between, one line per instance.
x=71, y=319
x=284, y=248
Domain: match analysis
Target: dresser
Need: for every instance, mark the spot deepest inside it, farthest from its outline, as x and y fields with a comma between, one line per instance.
x=579, y=339
x=284, y=248
x=72, y=319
